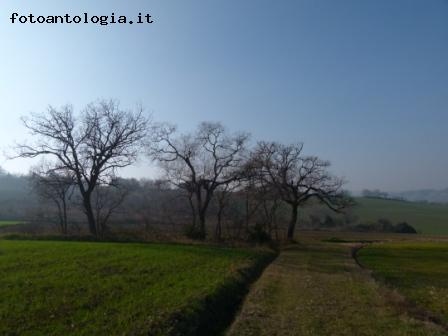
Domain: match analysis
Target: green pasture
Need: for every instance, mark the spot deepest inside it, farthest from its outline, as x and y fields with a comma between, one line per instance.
x=88, y=288
x=418, y=270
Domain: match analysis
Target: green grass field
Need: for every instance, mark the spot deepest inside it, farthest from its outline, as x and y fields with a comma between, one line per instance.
x=314, y=287
x=426, y=218
x=418, y=270
x=82, y=288
x=8, y=223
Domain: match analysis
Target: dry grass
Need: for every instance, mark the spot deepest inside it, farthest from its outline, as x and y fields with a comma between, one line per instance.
x=316, y=288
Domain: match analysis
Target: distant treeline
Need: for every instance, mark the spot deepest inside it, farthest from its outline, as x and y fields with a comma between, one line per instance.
x=381, y=195
x=16, y=197
x=155, y=209
x=423, y=196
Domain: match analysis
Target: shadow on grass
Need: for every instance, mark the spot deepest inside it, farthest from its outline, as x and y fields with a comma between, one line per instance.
x=214, y=314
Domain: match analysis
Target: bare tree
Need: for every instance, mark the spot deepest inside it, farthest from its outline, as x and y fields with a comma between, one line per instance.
x=223, y=196
x=260, y=197
x=268, y=198
x=107, y=200
x=56, y=187
x=199, y=163
x=297, y=178
x=92, y=146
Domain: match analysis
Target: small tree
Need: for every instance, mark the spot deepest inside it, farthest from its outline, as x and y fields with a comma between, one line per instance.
x=91, y=146
x=199, y=163
x=297, y=178
x=56, y=187
x=223, y=196
x=261, y=198
x=106, y=201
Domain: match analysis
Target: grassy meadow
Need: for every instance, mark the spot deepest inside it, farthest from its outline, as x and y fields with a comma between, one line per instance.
x=9, y=222
x=424, y=217
x=84, y=288
x=418, y=270
x=314, y=287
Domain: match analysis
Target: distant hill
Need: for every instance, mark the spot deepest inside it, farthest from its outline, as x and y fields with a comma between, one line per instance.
x=424, y=217
x=428, y=195
x=418, y=195
x=15, y=196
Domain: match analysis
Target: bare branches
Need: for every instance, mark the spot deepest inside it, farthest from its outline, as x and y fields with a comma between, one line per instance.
x=297, y=177
x=56, y=186
x=199, y=162
x=92, y=147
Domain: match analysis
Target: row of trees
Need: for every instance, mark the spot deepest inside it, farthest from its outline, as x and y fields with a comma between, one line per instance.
x=87, y=149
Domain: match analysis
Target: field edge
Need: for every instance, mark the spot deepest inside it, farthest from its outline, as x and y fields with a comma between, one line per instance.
x=214, y=313
x=397, y=299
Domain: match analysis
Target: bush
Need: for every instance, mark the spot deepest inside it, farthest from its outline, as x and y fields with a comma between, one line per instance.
x=328, y=222
x=384, y=225
x=258, y=234
x=404, y=228
x=192, y=232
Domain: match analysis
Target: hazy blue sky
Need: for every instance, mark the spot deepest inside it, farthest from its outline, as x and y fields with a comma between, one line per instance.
x=363, y=83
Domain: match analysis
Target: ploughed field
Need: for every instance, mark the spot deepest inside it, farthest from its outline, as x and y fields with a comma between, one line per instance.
x=87, y=288
x=417, y=270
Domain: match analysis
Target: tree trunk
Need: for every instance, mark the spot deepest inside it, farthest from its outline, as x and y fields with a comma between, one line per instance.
x=202, y=211
x=218, y=232
x=202, y=233
x=293, y=221
x=64, y=211
x=61, y=217
x=247, y=212
x=90, y=215
x=193, y=210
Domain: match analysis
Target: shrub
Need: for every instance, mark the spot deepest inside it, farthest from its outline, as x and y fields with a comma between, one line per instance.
x=258, y=234
x=192, y=232
x=384, y=225
x=404, y=228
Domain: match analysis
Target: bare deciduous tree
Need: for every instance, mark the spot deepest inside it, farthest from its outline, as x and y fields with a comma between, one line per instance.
x=223, y=196
x=297, y=178
x=56, y=187
x=199, y=163
x=106, y=201
x=92, y=145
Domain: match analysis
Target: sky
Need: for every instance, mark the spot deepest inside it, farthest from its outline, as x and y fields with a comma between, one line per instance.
x=363, y=84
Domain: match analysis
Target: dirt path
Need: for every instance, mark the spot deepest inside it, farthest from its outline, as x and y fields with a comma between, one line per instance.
x=318, y=289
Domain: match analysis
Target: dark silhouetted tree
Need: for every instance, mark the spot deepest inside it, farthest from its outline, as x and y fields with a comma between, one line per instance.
x=55, y=186
x=91, y=145
x=199, y=163
x=298, y=178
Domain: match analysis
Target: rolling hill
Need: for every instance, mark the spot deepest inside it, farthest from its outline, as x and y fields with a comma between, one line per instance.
x=424, y=217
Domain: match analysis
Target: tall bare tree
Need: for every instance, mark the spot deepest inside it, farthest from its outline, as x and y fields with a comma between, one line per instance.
x=298, y=178
x=199, y=163
x=92, y=145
